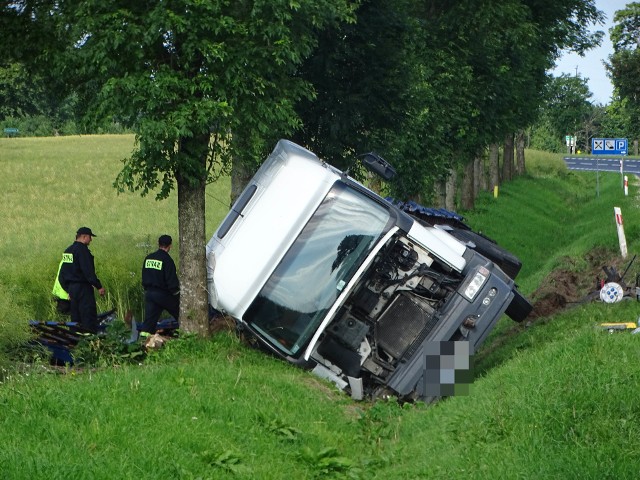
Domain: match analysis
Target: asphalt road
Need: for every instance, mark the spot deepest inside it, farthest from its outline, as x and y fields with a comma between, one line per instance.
x=602, y=163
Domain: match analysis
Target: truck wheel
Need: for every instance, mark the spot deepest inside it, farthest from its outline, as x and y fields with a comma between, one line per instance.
x=519, y=308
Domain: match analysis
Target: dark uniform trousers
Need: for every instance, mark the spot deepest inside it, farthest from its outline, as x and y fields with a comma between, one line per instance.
x=155, y=301
x=83, y=306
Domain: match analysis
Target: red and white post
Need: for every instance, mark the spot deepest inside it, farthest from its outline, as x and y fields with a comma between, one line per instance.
x=621, y=238
x=626, y=186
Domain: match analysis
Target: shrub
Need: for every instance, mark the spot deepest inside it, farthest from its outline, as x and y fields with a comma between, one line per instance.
x=108, y=350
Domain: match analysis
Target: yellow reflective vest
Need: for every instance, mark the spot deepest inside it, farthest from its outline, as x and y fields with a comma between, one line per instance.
x=58, y=291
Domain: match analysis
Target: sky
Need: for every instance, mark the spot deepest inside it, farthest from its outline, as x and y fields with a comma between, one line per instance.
x=590, y=66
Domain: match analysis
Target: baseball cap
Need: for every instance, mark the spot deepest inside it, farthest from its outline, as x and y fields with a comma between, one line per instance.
x=85, y=231
x=165, y=240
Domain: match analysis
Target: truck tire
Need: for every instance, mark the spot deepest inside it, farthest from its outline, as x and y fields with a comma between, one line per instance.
x=519, y=308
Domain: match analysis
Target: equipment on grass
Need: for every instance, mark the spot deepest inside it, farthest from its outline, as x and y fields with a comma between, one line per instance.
x=61, y=337
x=612, y=326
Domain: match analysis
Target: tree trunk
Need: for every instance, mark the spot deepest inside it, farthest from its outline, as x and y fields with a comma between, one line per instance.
x=507, y=162
x=450, y=191
x=194, y=311
x=479, y=175
x=494, y=166
x=520, y=168
x=439, y=193
x=467, y=194
x=241, y=173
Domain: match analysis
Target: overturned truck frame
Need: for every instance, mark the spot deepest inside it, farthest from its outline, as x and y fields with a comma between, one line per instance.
x=331, y=277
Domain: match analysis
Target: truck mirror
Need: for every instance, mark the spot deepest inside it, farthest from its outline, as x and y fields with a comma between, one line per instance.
x=378, y=165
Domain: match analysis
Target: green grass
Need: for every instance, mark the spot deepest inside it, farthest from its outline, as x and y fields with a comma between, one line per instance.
x=544, y=164
x=215, y=411
x=565, y=409
x=555, y=399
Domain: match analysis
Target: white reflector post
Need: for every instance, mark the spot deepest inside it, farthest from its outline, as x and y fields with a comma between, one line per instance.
x=626, y=186
x=621, y=238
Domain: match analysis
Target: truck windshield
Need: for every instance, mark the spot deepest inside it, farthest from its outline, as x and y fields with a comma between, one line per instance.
x=317, y=267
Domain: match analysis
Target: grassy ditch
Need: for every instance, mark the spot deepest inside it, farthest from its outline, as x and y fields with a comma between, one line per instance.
x=554, y=397
x=561, y=225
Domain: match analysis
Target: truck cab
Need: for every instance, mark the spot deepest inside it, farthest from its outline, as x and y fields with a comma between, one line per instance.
x=329, y=276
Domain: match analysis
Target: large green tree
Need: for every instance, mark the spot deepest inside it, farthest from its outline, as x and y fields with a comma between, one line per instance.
x=484, y=65
x=566, y=110
x=624, y=66
x=362, y=74
x=200, y=82
x=431, y=84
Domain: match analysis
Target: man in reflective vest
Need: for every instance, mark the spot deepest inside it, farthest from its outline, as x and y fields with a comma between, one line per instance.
x=161, y=286
x=78, y=277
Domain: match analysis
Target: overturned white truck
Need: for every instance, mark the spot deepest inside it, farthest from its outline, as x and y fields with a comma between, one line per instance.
x=328, y=275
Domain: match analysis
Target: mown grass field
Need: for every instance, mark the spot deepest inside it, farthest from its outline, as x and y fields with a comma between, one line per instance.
x=557, y=397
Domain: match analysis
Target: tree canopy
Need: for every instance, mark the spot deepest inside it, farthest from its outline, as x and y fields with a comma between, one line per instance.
x=203, y=83
x=624, y=68
x=431, y=85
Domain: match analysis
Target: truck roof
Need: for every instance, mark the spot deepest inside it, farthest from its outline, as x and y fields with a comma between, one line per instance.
x=282, y=203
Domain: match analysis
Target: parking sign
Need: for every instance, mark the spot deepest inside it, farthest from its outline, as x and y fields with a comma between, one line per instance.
x=609, y=146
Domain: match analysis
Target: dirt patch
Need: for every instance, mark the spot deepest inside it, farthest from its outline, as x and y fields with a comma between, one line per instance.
x=578, y=281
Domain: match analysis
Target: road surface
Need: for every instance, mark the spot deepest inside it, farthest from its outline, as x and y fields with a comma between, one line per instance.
x=602, y=163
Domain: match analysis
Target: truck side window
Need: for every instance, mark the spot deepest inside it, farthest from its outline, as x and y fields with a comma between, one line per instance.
x=237, y=209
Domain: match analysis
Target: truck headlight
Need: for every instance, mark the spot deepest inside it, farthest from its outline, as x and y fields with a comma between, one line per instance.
x=476, y=283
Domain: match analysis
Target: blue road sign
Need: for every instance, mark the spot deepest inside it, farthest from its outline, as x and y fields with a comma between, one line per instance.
x=608, y=146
